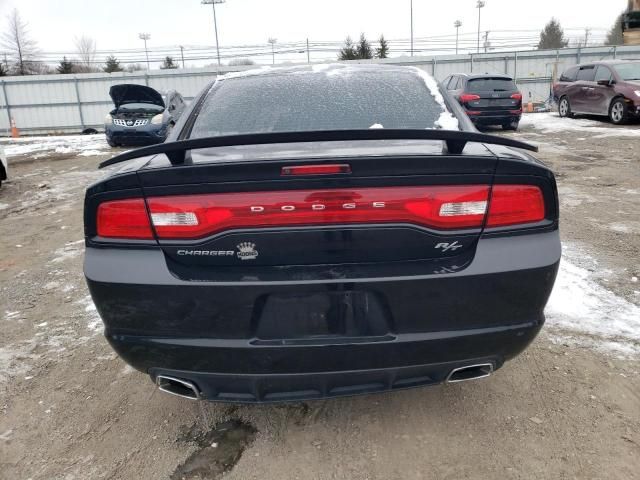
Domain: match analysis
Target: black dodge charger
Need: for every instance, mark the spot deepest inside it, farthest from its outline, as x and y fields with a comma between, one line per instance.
x=321, y=231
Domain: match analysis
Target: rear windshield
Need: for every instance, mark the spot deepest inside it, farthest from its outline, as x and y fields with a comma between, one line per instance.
x=628, y=71
x=306, y=100
x=491, y=85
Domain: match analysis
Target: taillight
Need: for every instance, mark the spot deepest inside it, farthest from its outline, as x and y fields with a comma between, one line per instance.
x=440, y=207
x=517, y=96
x=124, y=219
x=515, y=204
x=469, y=97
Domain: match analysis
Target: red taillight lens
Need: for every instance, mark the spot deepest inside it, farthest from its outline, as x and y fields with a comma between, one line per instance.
x=515, y=204
x=441, y=207
x=517, y=96
x=469, y=97
x=124, y=219
x=316, y=169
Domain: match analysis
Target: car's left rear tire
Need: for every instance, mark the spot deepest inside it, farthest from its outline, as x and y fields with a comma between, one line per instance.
x=618, y=111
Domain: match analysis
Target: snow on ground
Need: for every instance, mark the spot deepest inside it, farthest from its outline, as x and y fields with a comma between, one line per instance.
x=580, y=306
x=61, y=190
x=84, y=145
x=551, y=123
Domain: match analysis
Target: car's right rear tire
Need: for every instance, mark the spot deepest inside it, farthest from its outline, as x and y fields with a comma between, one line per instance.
x=564, y=108
x=512, y=125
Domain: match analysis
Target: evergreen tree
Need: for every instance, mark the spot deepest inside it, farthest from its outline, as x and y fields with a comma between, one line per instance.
x=112, y=65
x=383, y=50
x=614, y=37
x=348, y=52
x=552, y=36
x=65, y=66
x=364, y=49
x=3, y=70
x=168, y=64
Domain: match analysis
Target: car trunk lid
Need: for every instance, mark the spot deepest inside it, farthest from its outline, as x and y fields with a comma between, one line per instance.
x=490, y=94
x=271, y=206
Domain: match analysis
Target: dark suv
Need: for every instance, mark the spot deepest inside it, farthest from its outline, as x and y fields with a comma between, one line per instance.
x=278, y=248
x=600, y=88
x=487, y=99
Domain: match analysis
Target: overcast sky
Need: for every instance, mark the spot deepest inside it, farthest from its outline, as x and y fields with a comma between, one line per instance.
x=115, y=24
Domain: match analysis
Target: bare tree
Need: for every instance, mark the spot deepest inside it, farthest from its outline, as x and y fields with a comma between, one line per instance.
x=133, y=67
x=22, y=49
x=86, y=50
x=240, y=61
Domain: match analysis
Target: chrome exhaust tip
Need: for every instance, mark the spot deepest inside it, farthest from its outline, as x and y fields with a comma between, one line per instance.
x=178, y=387
x=470, y=372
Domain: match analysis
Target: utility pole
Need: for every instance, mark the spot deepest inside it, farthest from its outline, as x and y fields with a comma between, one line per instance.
x=182, y=55
x=215, y=22
x=480, y=5
x=411, y=11
x=273, y=41
x=587, y=32
x=457, y=24
x=486, y=41
x=145, y=37
x=308, y=55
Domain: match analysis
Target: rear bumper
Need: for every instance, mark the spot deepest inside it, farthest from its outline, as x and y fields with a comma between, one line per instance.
x=407, y=361
x=495, y=118
x=209, y=333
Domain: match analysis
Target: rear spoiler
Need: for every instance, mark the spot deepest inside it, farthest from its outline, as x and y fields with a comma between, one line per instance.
x=177, y=151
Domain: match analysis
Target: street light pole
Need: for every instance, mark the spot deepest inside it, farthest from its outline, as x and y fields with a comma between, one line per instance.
x=273, y=41
x=411, y=8
x=215, y=22
x=480, y=5
x=145, y=37
x=457, y=24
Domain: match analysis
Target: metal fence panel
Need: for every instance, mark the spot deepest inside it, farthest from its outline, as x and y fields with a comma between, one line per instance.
x=44, y=104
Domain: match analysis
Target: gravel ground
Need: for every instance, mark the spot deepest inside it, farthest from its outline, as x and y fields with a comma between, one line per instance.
x=569, y=407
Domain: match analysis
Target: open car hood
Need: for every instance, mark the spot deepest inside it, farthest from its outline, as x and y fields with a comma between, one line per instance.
x=132, y=93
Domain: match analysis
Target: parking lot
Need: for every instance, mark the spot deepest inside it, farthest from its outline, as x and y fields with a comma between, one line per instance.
x=569, y=407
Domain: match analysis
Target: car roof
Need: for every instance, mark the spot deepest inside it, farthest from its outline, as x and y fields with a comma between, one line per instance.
x=329, y=68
